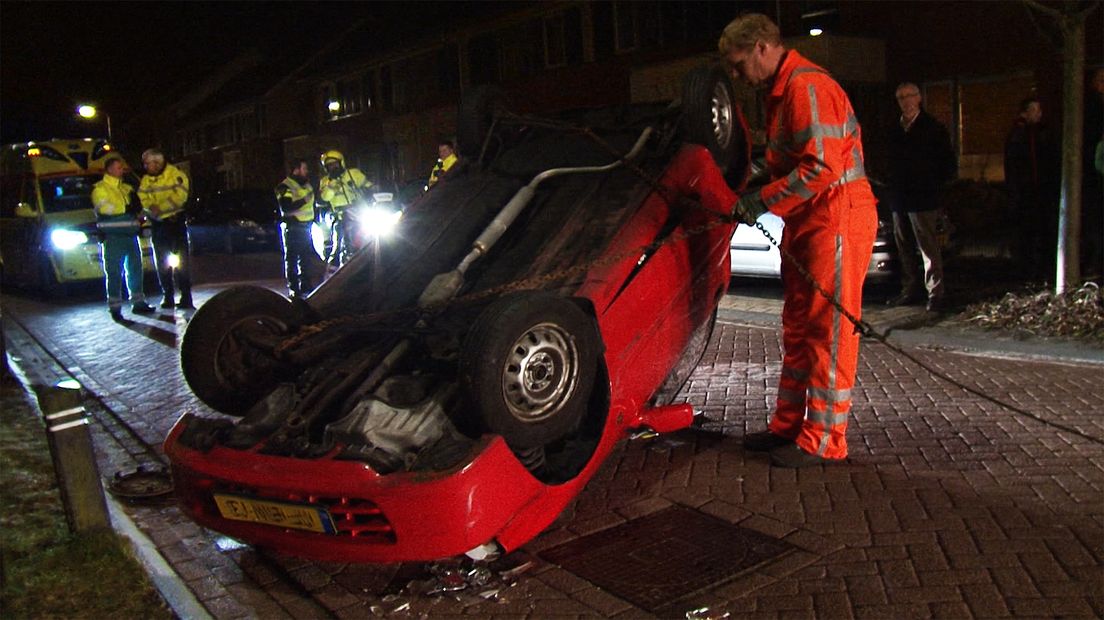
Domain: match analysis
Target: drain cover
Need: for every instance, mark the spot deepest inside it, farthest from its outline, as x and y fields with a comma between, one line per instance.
x=141, y=484
x=668, y=555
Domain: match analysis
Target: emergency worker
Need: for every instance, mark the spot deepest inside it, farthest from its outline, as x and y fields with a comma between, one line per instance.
x=117, y=219
x=164, y=192
x=340, y=188
x=296, y=199
x=819, y=188
x=446, y=154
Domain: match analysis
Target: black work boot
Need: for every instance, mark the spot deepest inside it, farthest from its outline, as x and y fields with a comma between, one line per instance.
x=186, y=301
x=168, y=302
x=764, y=441
x=794, y=457
x=141, y=307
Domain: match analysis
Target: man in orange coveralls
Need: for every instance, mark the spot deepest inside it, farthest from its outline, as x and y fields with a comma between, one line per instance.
x=819, y=189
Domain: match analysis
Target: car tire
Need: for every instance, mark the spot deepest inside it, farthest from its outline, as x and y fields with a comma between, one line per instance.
x=221, y=365
x=48, y=284
x=474, y=118
x=527, y=368
x=710, y=115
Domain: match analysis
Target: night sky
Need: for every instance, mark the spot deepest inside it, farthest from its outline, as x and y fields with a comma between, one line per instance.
x=126, y=56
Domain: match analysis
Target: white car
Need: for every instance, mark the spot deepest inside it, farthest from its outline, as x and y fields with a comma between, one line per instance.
x=753, y=255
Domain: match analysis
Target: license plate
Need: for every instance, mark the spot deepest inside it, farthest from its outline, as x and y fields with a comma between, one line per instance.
x=280, y=514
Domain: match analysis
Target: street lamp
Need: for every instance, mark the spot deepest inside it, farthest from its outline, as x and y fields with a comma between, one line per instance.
x=334, y=107
x=90, y=112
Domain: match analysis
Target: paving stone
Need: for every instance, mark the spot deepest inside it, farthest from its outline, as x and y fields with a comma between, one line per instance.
x=948, y=507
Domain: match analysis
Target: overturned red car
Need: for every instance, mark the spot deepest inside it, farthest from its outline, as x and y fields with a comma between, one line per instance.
x=455, y=390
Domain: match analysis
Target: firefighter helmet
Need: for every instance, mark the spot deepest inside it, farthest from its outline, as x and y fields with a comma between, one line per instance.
x=333, y=154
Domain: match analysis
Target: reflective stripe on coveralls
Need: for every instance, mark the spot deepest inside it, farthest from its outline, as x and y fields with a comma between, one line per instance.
x=819, y=189
x=292, y=189
x=120, y=254
x=344, y=190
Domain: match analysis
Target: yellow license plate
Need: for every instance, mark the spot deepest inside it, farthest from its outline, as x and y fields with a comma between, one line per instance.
x=297, y=516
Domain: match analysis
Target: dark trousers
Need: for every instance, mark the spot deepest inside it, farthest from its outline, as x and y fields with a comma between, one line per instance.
x=171, y=237
x=301, y=263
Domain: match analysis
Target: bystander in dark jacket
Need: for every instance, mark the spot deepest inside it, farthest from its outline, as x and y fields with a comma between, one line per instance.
x=1030, y=175
x=921, y=163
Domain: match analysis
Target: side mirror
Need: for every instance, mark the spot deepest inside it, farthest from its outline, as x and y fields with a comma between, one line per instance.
x=24, y=209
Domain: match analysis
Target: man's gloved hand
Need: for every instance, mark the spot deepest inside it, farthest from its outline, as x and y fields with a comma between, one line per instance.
x=748, y=208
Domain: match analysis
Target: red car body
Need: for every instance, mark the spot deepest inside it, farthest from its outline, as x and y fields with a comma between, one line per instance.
x=645, y=323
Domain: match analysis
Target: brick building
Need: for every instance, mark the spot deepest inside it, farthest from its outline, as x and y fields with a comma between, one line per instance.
x=385, y=92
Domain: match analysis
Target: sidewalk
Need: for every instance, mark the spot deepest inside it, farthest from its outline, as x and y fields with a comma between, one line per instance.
x=912, y=326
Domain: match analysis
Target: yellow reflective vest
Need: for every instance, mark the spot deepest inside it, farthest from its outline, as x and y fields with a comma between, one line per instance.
x=289, y=190
x=345, y=190
x=110, y=198
x=441, y=168
x=164, y=195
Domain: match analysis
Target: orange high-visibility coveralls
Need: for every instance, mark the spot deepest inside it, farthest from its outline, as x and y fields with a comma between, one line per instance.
x=819, y=189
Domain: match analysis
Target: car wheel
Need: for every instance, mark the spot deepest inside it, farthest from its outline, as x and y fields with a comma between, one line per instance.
x=527, y=368
x=48, y=283
x=710, y=115
x=225, y=355
x=474, y=119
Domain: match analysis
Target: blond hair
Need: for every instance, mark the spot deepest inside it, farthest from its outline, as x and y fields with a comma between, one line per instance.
x=747, y=30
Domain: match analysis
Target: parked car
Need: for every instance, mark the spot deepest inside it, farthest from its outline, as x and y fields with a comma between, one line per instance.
x=233, y=221
x=752, y=255
x=454, y=393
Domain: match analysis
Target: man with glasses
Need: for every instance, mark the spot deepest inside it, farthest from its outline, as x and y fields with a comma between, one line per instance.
x=921, y=162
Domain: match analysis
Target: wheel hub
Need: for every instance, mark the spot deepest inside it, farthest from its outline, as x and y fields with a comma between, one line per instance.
x=540, y=372
x=721, y=108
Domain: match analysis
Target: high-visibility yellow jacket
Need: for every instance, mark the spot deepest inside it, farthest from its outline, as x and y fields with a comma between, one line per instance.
x=110, y=198
x=164, y=195
x=295, y=200
x=345, y=190
x=441, y=168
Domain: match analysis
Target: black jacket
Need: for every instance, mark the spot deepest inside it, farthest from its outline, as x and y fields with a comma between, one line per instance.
x=921, y=161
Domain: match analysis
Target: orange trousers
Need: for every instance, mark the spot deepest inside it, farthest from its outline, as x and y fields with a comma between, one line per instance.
x=833, y=240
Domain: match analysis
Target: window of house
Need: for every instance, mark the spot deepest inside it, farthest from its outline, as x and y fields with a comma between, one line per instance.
x=483, y=59
x=520, y=50
x=563, y=38
x=349, y=96
x=368, y=89
x=637, y=25
x=385, y=88
x=448, y=71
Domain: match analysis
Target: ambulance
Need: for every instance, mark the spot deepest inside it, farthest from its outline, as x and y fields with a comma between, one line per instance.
x=48, y=236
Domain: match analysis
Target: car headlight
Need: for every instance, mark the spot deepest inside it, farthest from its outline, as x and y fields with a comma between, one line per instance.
x=64, y=239
x=378, y=221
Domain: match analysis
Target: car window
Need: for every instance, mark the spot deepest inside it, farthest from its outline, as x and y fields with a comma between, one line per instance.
x=63, y=194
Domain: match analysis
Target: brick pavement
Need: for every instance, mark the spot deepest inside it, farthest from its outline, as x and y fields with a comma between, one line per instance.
x=949, y=506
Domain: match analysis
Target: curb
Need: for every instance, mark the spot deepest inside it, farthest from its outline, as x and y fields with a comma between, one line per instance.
x=176, y=594
x=180, y=599
x=900, y=333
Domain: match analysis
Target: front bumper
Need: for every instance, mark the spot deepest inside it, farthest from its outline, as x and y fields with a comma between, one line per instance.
x=410, y=516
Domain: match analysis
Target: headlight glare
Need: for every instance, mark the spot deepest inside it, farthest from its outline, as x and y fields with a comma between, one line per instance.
x=64, y=239
x=377, y=221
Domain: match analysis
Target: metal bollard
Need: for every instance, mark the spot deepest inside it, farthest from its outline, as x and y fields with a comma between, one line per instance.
x=70, y=444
